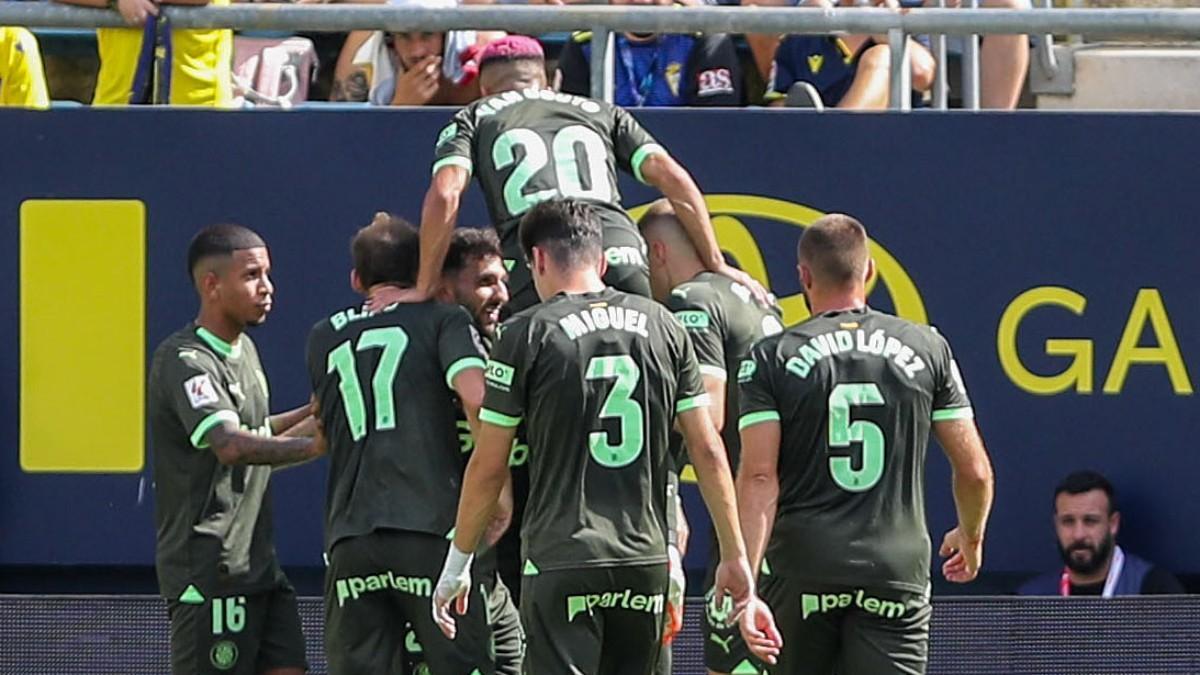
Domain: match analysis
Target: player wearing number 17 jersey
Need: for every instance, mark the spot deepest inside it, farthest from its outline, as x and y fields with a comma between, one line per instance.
x=383, y=382
x=599, y=377
x=526, y=143
x=835, y=419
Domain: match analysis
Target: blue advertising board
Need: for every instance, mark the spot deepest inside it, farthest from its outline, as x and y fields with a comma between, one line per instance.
x=1054, y=251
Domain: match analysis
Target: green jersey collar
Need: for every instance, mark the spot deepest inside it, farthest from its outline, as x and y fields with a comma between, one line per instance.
x=218, y=345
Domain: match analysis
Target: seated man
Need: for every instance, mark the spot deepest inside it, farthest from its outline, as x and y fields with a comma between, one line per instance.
x=1003, y=59
x=1086, y=521
x=417, y=68
x=22, y=79
x=851, y=72
x=658, y=69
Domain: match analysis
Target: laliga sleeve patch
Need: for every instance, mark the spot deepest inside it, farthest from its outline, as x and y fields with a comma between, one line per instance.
x=200, y=391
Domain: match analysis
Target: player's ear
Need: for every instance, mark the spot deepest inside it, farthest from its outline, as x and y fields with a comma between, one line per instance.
x=870, y=271
x=602, y=264
x=805, y=276
x=356, y=283
x=1114, y=523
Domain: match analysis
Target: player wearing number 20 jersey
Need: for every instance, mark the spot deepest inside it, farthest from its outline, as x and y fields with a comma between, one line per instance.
x=383, y=383
x=530, y=145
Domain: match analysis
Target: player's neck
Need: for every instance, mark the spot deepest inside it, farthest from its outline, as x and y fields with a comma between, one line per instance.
x=686, y=270
x=835, y=300
x=1080, y=579
x=218, y=324
x=576, y=283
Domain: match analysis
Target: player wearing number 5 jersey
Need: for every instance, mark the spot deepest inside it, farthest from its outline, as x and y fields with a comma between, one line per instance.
x=599, y=376
x=526, y=144
x=835, y=419
x=383, y=383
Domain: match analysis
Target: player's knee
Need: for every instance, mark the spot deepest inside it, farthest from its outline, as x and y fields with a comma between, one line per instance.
x=875, y=58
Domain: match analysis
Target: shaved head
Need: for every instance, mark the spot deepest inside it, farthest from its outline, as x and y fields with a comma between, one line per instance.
x=659, y=223
x=835, y=251
x=215, y=245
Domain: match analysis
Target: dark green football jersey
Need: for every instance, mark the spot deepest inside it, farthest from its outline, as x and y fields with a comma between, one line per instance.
x=382, y=381
x=598, y=379
x=724, y=321
x=214, y=521
x=855, y=393
x=528, y=146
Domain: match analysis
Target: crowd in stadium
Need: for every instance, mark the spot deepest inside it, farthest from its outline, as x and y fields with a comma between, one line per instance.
x=218, y=68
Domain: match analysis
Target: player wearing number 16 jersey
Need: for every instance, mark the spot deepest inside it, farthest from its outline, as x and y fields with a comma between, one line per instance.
x=599, y=377
x=383, y=383
x=526, y=144
x=835, y=419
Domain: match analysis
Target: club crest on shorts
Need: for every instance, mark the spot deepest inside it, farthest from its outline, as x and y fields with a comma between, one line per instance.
x=224, y=655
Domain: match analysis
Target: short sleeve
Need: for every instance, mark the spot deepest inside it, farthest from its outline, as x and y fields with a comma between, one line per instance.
x=714, y=73
x=454, y=142
x=689, y=387
x=632, y=144
x=459, y=345
x=950, y=400
x=783, y=72
x=756, y=393
x=504, y=399
x=574, y=70
x=197, y=394
x=704, y=324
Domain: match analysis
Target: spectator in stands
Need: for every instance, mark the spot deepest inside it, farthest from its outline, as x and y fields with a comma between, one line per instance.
x=659, y=69
x=852, y=72
x=1003, y=60
x=1086, y=521
x=22, y=79
x=417, y=68
x=152, y=63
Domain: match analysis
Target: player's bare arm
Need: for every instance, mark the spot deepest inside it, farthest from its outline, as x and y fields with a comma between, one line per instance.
x=282, y=423
x=486, y=474
x=676, y=184
x=709, y=458
x=234, y=447
x=973, y=490
x=758, y=486
x=715, y=388
x=468, y=384
x=503, y=515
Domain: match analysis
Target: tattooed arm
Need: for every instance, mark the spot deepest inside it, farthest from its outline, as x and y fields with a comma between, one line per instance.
x=235, y=447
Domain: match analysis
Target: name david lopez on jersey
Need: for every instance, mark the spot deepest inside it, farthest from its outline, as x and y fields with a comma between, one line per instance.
x=836, y=342
x=604, y=318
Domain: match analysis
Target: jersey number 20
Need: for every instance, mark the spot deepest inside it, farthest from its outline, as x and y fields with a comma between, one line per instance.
x=393, y=341
x=843, y=432
x=578, y=153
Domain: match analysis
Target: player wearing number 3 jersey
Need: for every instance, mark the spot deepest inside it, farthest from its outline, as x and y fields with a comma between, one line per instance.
x=835, y=419
x=526, y=143
x=598, y=376
x=383, y=383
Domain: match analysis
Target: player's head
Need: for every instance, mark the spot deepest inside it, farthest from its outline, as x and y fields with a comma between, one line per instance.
x=511, y=63
x=672, y=256
x=1086, y=521
x=231, y=270
x=561, y=237
x=384, y=252
x=474, y=276
x=834, y=256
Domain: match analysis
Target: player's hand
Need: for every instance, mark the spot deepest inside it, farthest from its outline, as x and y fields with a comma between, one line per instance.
x=135, y=12
x=963, y=557
x=760, y=293
x=734, y=580
x=675, y=594
x=417, y=85
x=384, y=296
x=453, y=587
x=759, y=631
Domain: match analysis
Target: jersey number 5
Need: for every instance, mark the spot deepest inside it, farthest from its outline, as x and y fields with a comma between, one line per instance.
x=579, y=153
x=625, y=371
x=393, y=340
x=843, y=432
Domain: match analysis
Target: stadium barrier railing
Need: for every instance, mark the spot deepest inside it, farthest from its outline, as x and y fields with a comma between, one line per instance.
x=604, y=21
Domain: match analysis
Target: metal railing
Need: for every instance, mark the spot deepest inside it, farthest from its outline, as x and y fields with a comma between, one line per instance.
x=604, y=21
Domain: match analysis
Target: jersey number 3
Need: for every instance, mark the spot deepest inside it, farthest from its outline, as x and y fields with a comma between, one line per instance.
x=393, y=340
x=625, y=371
x=579, y=155
x=843, y=432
